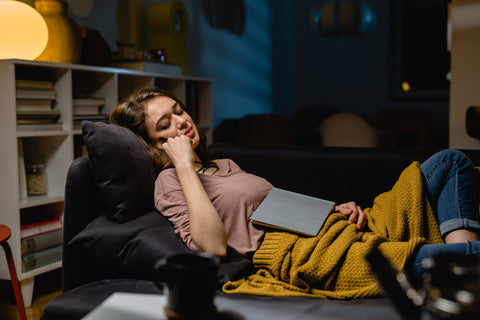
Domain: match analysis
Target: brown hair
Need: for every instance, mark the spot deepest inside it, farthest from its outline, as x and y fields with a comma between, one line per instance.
x=130, y=113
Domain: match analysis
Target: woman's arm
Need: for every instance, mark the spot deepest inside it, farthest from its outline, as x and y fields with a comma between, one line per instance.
x=206, y=227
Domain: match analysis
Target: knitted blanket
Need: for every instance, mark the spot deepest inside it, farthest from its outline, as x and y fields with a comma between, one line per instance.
x=333, y=264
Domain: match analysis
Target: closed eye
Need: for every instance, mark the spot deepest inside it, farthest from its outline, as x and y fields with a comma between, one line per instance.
x=163, y=122
x=163, y=125
x=179, y=110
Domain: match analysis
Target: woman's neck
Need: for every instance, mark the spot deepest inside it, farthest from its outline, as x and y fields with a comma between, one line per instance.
x=195, y=157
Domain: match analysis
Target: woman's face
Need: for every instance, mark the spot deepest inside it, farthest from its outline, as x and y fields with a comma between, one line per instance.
x=165, y=118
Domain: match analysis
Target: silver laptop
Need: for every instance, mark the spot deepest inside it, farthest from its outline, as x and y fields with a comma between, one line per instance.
x=293, y=212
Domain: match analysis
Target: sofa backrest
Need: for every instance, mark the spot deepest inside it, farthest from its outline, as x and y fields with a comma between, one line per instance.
x=337, y=174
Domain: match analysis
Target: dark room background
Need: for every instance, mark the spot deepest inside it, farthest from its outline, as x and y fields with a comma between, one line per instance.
x=277, y=62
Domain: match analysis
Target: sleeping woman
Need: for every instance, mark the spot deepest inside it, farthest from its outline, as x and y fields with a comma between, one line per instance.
x=433, y=208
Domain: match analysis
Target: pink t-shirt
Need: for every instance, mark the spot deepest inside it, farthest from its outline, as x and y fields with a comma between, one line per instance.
x=234, y=193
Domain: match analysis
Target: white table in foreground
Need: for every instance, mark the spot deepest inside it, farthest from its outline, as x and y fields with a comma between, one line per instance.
x=127, y=306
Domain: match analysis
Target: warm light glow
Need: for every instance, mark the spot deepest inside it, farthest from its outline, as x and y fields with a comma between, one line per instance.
x=405, y=86
x=23, y=31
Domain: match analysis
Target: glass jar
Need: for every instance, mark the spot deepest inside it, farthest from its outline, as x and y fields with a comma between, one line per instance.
x=36, y=179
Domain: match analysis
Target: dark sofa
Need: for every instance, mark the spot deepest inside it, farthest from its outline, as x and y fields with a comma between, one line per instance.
x=103, y=254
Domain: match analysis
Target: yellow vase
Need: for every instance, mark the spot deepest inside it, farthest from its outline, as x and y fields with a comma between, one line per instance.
x=64, y=36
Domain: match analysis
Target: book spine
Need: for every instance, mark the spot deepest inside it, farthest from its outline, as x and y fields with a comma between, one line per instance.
x=40, y=126
x=42, y=241
x=35, y=94
x=34, y=105
x=41, y=258
x=40, y=227
x=34, y=84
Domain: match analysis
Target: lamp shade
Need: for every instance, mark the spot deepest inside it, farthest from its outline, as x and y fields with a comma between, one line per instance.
x=23, y=31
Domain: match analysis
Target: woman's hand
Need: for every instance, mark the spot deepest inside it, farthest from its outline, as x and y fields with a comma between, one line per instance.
x=354, y=212
x=179, y=150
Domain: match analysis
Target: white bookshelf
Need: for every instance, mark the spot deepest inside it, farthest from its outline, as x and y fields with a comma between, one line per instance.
x=56, y=148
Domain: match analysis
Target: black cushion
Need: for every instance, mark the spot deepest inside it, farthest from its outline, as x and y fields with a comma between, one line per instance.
x=134, y=245
x=137, y=245
x=122, y=169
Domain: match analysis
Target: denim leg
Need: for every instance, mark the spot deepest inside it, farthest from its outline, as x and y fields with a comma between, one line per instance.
x=429, y=250
x=452, y=189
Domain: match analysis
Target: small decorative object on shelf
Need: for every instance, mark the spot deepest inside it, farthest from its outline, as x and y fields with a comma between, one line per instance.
x=126, y=49
x=95, y=49
x=155, y=54
x=65, y=40
x=343, y=18
x=36, y=180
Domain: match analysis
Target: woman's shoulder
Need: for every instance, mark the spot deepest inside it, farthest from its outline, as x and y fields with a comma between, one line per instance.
x=167, y=180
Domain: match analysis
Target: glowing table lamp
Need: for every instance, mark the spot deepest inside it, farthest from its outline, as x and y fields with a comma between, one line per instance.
x=23, y=31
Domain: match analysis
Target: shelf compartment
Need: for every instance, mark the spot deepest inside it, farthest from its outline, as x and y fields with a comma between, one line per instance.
x=128, y=83
x=42, y=212
x=33, y=201
x=38, y=72
x=55, y=152
x=95, y=84
x=56, y=79
x=41, y=270
x=177, y=86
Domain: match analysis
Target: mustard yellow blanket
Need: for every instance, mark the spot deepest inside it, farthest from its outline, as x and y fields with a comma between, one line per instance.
x=332, y=264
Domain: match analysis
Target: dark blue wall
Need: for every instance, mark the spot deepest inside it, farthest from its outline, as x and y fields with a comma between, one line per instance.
x=345, y=72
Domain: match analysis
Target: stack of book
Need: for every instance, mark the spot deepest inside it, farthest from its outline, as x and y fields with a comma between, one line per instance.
x=88, y=109
x=41, y=243
x=34, y=106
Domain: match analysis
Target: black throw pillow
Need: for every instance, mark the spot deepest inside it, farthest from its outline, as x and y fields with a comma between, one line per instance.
x=122, y=169
x=133, y=248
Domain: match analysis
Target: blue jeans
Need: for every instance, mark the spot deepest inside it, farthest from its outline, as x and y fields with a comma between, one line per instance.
x=430, y=250
x=452, y=189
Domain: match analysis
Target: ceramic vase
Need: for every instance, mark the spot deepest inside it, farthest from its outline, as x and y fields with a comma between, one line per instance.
x=95, y=49
x=64, y=36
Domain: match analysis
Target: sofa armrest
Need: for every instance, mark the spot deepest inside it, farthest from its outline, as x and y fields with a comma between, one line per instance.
x=82, y=205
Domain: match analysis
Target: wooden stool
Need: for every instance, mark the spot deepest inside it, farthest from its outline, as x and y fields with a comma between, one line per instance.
x=4, y=236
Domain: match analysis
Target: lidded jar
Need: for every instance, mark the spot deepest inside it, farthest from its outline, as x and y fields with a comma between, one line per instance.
x=36, y=179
